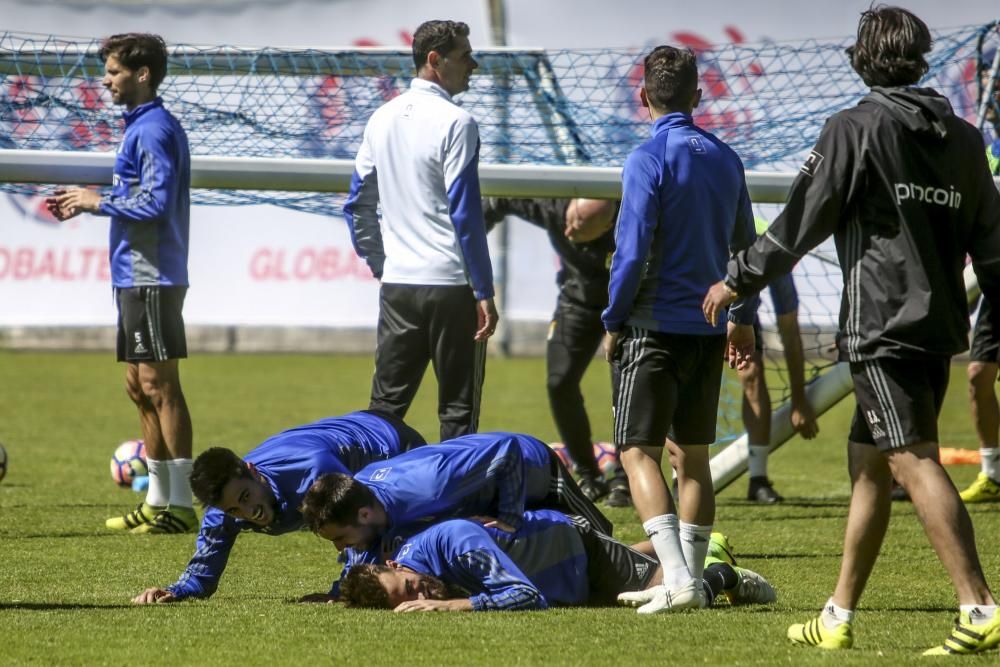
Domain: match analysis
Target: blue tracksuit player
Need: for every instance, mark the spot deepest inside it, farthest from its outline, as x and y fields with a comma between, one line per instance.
x=262, y=492
x=495, y=476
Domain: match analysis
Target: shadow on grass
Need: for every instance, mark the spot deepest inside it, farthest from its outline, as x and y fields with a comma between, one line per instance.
x=38, y=536
x=788, y=502
x=792, y=556
x=55, y=606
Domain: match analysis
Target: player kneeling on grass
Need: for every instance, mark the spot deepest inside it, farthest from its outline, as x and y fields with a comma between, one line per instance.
x=552, y=560
x=262, y=492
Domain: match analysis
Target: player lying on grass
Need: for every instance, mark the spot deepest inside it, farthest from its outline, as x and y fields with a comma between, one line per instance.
x=494, y=475
x=552, y=560
x=262, y=492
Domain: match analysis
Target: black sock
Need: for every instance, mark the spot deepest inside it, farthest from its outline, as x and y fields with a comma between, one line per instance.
x=721, y=577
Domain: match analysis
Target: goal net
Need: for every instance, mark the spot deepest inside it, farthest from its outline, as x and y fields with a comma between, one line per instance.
x=271, y=115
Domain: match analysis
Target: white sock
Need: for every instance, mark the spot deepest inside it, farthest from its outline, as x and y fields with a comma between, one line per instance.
x=180, y=483
x=158, y=493
x=833, y=615
x=979, y=614
x=694, y=545
x=990, y=458
x=758, y=460
x=663, y=532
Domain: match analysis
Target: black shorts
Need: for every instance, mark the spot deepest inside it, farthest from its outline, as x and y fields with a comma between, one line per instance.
x=985, y=340
x=612, y=567
x=666, y=384
x=898, y=400
x=409, y=437
x=150, y=324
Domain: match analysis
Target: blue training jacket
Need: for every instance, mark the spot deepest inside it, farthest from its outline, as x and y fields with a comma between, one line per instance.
x=150, y=201
x=685, y=210
x=492, y=474
x=290, y=462
x=543, y=565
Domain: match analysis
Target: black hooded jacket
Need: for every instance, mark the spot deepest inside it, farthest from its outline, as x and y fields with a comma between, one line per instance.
x=903, y=185
x=583, y=276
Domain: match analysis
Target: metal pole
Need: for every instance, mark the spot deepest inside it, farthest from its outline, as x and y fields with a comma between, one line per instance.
x=498, y=33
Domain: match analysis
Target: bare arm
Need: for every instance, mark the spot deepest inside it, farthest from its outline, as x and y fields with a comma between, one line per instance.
x=803, y=417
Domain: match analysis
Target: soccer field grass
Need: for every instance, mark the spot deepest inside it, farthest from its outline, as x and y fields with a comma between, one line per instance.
x=65, y=582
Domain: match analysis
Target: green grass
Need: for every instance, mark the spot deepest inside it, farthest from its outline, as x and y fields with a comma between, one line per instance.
x=65, y=583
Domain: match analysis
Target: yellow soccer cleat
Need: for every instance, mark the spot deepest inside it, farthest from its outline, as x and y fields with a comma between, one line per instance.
x=142, y=515
x=171, y=520
x=983, y=490
x=719, y=547
x=966, y=638
x=814, y=633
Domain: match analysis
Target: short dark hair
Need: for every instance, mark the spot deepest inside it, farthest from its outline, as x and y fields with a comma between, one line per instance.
x=670, y=77
x=212, y=470
x=890, y=48
x=335, y=498
x=361, y=587
x=440, y=36
x=138, y=49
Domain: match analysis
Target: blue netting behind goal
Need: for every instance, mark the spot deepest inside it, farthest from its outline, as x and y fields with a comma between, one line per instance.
x=555, y=107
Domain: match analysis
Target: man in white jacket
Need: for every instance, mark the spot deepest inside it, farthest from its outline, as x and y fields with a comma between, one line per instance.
x=419, y=158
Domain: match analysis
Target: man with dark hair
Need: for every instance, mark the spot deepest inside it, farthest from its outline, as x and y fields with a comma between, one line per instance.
x=419, y=159
x=552, y=560
x=149, y=205
x=902, y=184
x=262, y=491
x=983, y=367
x=581, y=232
x=685, y=210
x=492, y=475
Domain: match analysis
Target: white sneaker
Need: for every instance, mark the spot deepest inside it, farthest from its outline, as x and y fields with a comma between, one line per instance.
x=689, y=596
x=639, y=598
x=752, y=589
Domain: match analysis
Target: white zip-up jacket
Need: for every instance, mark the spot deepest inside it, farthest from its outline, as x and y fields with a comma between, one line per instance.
x=419, y=158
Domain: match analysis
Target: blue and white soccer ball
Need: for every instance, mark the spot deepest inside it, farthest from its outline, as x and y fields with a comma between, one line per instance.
x=3, y=462
x=129, y=462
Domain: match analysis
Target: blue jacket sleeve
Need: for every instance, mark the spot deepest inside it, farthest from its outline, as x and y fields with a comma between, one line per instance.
x=361, y=210
x=465, y=206
x=637, y=221
x=482, y=566
x=215, y=541
x=149, y=200
x=507, y=468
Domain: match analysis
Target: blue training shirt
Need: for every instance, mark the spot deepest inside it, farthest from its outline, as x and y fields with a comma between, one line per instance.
x=492, y=474
x=150, y=201
x=543, y=564
x=290, y=462
x=685, y=210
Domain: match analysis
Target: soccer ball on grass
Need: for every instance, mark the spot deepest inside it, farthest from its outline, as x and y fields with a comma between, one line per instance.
x=129, y=462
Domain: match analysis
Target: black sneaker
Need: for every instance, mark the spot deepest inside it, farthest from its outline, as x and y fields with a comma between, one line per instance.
x=761, y=491
x=620, y=496
x=593, y=487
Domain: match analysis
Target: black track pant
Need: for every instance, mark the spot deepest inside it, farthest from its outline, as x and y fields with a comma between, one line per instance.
x=418, y=324
x=574, y=337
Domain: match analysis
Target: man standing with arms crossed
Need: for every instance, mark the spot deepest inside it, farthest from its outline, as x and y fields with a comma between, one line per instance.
x=902, y=184
x=149, y=205
x=419, y=158
x=685, y=209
